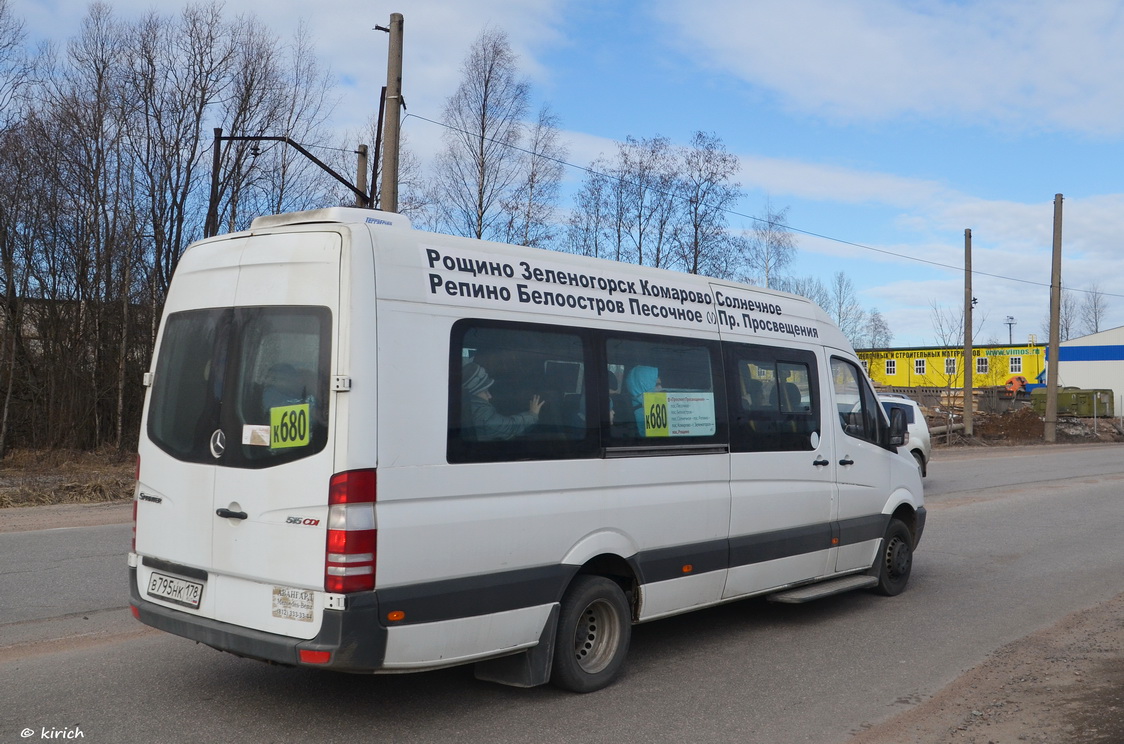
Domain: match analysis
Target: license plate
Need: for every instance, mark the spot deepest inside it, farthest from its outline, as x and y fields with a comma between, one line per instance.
x=176, y=590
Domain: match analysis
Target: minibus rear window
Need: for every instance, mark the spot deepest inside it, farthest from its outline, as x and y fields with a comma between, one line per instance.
x=242, y=387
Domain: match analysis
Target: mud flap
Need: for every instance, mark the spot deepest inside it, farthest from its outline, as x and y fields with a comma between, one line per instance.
x=529, y=668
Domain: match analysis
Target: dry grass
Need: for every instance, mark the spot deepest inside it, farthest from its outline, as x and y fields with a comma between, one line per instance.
x=37, y=478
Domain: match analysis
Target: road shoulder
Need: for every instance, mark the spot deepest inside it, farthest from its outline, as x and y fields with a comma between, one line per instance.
x=1062, y=684
x=27, y=518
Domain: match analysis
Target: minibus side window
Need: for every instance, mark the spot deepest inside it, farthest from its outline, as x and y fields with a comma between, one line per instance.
x=520, y=392
x=774, y=399
x=858, y=410
x=667, y=394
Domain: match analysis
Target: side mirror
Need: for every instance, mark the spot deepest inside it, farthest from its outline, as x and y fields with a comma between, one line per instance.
x=898, y=433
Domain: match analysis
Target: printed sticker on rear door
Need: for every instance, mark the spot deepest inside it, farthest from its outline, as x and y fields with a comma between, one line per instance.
x=292, y=604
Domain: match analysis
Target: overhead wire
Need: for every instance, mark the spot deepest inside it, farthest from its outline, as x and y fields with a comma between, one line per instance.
x=809, y=233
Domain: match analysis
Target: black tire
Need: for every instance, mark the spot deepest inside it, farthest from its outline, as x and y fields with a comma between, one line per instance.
x=594, y=629
x=920, y=461
x=895, y=559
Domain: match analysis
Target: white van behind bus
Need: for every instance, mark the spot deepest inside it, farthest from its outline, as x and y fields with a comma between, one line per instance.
x=373, y=449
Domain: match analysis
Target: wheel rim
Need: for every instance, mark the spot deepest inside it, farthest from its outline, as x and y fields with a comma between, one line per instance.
x=898, y=558
x=597, y=636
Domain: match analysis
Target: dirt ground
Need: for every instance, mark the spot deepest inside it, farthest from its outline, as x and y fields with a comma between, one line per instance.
x=34, y=478
x=1062, y=685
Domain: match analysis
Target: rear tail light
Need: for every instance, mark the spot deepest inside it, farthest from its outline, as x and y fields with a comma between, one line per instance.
x=349, y=564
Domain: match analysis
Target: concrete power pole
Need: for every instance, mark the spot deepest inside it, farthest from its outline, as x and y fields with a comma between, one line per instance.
x=1051, y=430
x=388, y=200
x=969, y=362
x=361, y=175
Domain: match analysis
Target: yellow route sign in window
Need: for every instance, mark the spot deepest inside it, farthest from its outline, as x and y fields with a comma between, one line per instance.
x=655, y=415
x=288, y=426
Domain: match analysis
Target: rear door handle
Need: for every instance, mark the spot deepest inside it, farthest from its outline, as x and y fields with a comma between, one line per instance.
x=228, y=514
x=820, y=461
x=846, y=461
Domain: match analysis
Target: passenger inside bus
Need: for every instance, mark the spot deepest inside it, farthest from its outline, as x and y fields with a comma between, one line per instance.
x=485, y=422
x=754, y=395
x=638, y=381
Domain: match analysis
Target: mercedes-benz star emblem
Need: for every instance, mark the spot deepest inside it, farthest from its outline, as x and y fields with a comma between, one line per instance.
x=218, y=443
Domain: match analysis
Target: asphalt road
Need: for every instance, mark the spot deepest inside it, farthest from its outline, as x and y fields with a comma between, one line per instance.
x=1017, y=539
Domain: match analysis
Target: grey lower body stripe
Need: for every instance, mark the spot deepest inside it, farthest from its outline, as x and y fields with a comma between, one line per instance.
x=498, y=592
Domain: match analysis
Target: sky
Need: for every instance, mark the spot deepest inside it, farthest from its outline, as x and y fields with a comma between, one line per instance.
x=886, y=128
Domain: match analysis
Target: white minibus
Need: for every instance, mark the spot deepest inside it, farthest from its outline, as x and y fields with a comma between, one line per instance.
x=369, y=448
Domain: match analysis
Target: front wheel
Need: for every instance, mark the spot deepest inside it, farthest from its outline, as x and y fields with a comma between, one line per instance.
x=920, y=462
x=895, y=559
x=594, y=628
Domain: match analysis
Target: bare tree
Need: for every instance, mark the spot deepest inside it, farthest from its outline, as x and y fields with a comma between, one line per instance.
x=289, y=181
x=16, y=67
x=250, y=105
x=412, y=186
x=772, y=247
x=589, y=227
x=479, y=164
x=878, y=333
x=15, y=78
x=706, y=192
x=1068, y=317
x=948, y=328
x=177, y=70
x=84, y=324
x=101, y=154
x=948, y=324
x=844, y=308
x=1094, y=306
x=626, y=208
x=530, y=205
x=807, y=286
x=644, y=180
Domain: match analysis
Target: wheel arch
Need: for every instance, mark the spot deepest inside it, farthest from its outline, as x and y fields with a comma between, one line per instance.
x=611, y=554
x=619, y=570
x=907, y=515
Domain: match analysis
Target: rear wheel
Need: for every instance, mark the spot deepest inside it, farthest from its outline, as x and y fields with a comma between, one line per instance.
x=594, y=629
x=895, y=559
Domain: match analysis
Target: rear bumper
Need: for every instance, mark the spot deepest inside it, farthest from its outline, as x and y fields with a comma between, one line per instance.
x=354, y=637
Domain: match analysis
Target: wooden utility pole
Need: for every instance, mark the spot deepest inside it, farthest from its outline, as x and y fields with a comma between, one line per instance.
x=969, y=362
x=388, y=201
x=1051, y=430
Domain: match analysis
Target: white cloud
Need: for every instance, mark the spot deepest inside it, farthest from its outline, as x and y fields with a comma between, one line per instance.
x=822, y=182
x=1028, y=64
